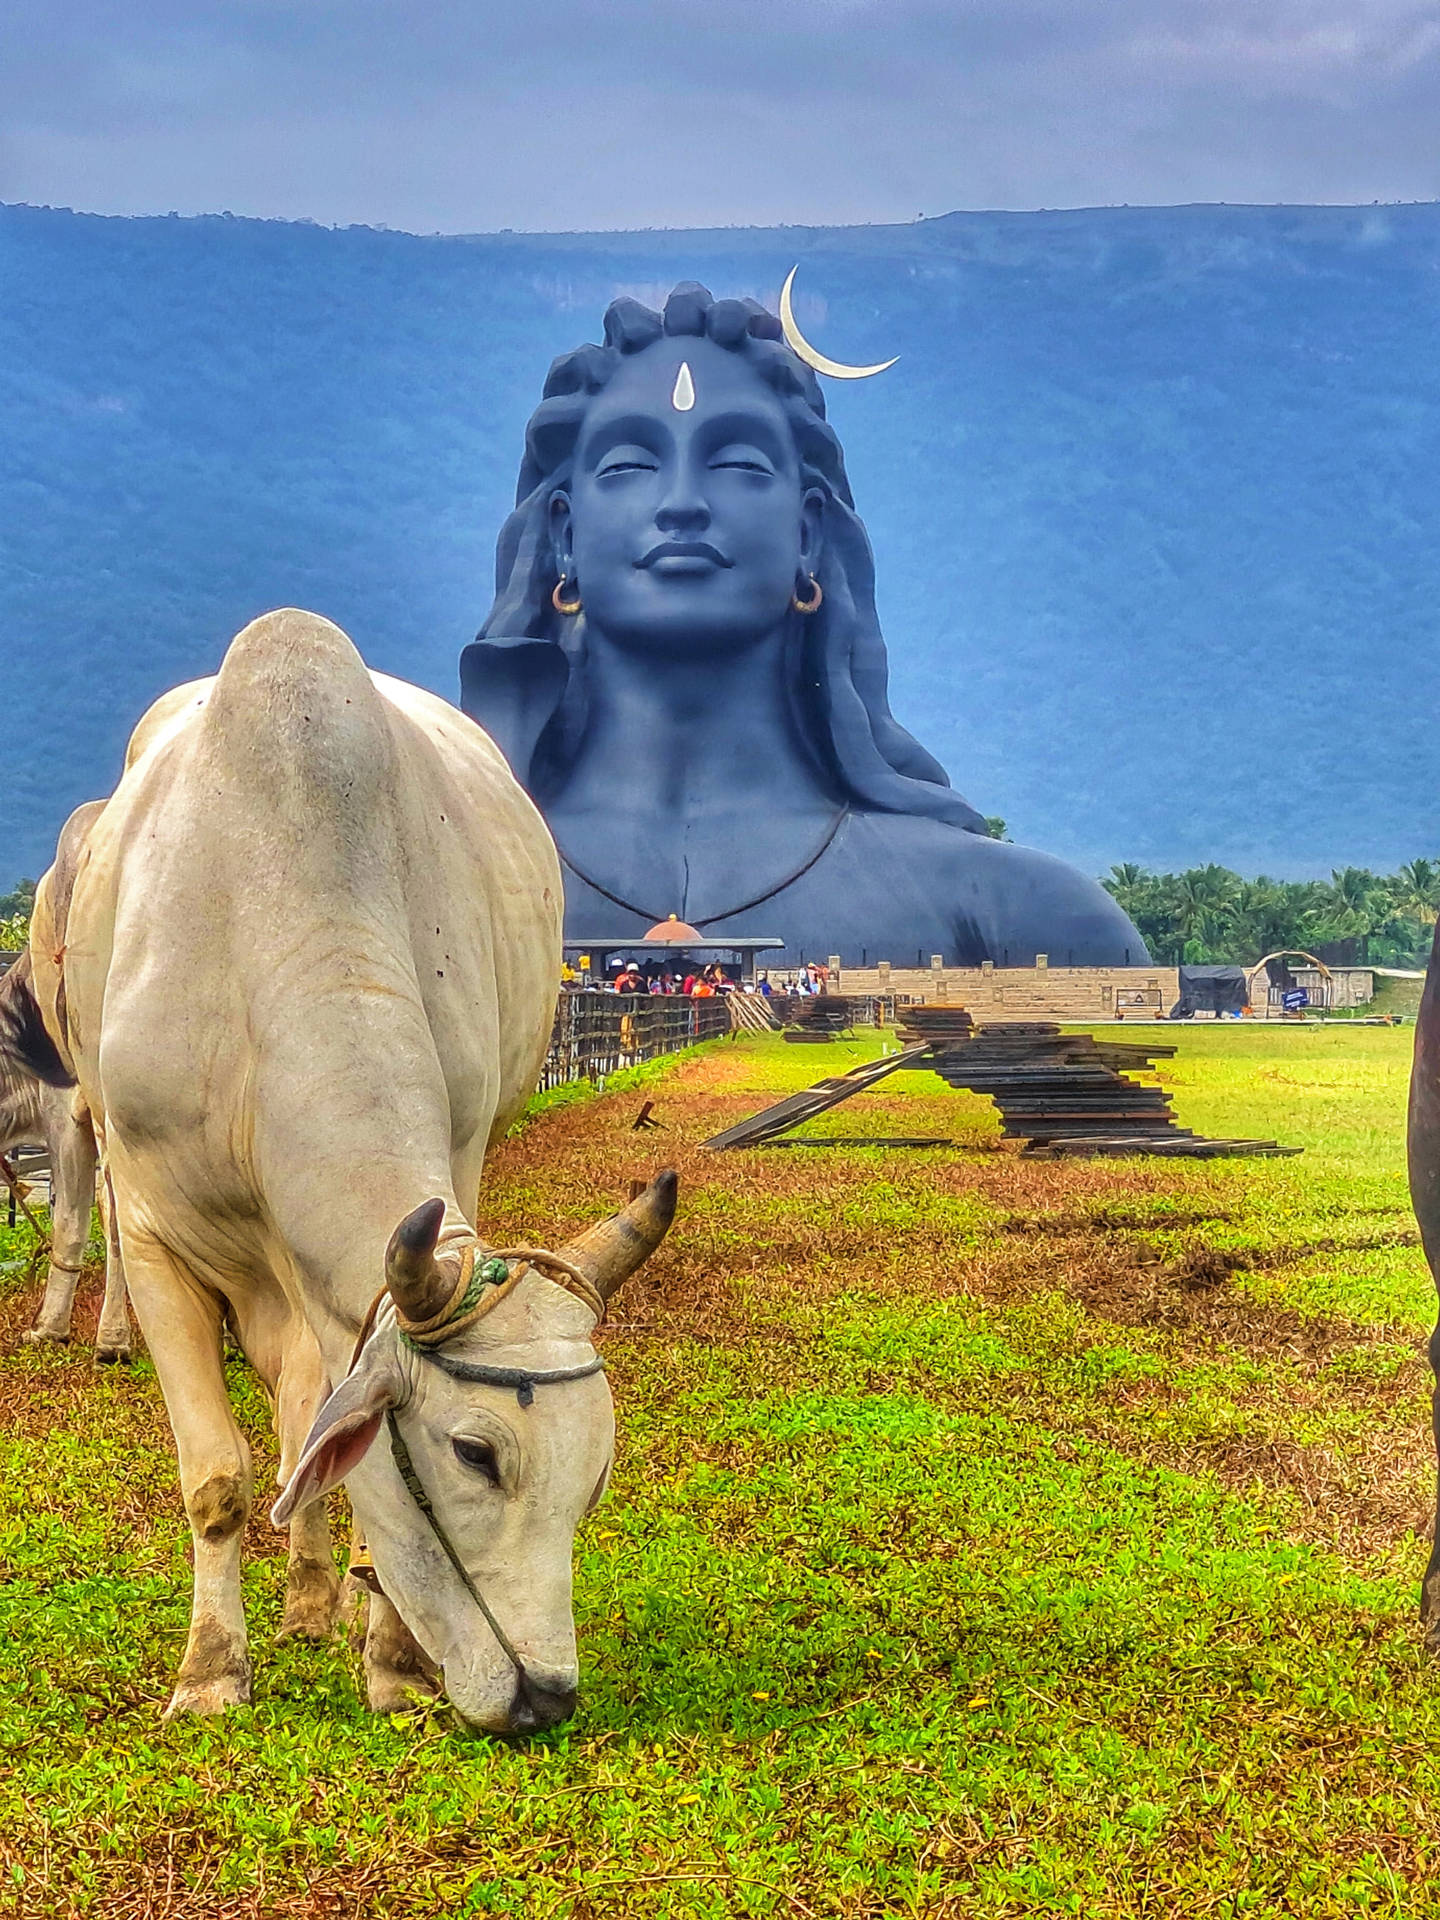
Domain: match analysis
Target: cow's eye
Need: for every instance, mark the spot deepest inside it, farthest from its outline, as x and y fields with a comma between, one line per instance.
x=479, y=1455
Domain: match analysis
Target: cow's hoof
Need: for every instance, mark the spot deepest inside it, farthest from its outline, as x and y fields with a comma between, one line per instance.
x=210, y=1696
x=112, y=1356
x=38, y=1337
x=310, y=1620
x=388, y=1690
x=313, y=1597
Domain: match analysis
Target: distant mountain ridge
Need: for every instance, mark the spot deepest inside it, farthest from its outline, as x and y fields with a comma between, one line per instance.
x=1153, y=491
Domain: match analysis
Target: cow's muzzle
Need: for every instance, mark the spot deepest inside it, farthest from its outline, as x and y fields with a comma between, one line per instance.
x=541, y=1701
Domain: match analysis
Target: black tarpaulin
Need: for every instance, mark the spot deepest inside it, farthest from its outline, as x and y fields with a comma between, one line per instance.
x=1214, y=989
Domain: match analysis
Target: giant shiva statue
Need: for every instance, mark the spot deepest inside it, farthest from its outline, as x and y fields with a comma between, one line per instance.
x=684, y=667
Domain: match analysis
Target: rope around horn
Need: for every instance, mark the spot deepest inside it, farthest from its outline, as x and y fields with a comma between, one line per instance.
x=477, y=1293
x=480, y=1287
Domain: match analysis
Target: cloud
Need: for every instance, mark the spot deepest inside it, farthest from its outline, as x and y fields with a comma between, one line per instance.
x=606, y=113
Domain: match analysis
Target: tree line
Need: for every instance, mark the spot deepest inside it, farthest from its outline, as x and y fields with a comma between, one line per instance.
x=1204, y=914
x=1212, y=914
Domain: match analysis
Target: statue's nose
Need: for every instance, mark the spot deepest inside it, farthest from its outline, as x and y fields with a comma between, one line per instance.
x=684, y=511
x=541, y=1700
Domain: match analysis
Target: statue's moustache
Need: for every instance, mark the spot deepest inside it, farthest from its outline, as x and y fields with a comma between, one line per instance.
x=684, y=550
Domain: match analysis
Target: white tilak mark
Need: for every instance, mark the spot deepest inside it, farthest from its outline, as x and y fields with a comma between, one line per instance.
x=683, y=398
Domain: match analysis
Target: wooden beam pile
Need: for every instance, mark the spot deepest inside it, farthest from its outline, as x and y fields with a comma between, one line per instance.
x=814, y=1016
x=1069, y=1093
x=1062, y=1093
x=935, y=1023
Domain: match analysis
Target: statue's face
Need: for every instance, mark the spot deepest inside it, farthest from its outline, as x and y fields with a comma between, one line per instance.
x=686, y=530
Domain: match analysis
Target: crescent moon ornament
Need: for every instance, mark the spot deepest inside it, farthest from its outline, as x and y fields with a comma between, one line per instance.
x=801, y=347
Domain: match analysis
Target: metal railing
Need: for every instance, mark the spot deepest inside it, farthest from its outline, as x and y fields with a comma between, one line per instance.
x=597, y=1033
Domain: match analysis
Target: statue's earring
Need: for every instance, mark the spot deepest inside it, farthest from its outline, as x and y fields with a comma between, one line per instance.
x=565, y=606
x=812, y=605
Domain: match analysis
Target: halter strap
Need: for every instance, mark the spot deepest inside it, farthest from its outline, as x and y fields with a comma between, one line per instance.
x=522, y=1379
x=480, y=1287
x=478, y=1290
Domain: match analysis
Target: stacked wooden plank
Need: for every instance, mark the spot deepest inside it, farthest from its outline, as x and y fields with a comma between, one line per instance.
x=820, y=1012
x=1062, y=1093
x=934, y=1022
x=1068, y=1093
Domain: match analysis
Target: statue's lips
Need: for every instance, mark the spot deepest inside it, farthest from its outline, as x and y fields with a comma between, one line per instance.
x=683, y=557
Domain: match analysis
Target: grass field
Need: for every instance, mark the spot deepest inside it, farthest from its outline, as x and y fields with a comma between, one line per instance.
x=989, y=1538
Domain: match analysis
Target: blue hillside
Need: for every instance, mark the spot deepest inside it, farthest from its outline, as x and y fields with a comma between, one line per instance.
x=1153, y=492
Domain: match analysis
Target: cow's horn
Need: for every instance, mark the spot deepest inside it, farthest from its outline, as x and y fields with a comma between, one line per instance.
x=419, y=1285
x=609, y=1253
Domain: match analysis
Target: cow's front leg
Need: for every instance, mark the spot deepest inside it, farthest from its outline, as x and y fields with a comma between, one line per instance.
x=181, y=1322
x=112, y=1336
x=313, y=1589
x=57, y=1306
x=72, y=1195
x=397, y=1667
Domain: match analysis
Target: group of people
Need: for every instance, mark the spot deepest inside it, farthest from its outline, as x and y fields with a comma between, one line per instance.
x=629, y=976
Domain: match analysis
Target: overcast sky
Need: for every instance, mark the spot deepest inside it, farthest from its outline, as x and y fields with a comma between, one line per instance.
x=470, y=115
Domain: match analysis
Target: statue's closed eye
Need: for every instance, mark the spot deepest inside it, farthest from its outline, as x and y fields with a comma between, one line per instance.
x=746, y=459
x=627, y=460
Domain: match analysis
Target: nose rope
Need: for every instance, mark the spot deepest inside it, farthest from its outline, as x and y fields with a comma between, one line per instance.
x=415, y=1486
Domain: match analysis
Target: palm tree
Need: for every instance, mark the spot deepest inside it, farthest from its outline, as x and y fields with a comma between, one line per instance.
x=1417, y=891
x=1264, y=917
x=1201, y=896
x=1360, y=904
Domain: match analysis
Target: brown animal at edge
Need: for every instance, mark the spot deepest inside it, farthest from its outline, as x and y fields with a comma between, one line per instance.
x=1423, y=1147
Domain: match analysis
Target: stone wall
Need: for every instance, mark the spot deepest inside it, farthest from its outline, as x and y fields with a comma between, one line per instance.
x=1023, y=993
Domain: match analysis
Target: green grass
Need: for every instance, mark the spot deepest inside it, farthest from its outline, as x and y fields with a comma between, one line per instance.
x=989, y=1538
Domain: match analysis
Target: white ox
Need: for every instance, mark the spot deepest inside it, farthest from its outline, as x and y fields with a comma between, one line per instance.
x=306, y=976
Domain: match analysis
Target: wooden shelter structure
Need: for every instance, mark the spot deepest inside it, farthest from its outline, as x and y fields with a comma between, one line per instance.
x=1271, y=989
x=671, y=940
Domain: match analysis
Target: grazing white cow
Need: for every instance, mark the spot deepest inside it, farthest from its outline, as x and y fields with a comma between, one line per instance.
x=306, y=975
x=39, y=1104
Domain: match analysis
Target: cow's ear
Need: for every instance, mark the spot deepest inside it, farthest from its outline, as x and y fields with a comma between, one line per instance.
x=344, y=1429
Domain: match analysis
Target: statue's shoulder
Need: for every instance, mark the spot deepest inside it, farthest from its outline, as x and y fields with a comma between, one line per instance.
x=1014, y=899
x=970, y=861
